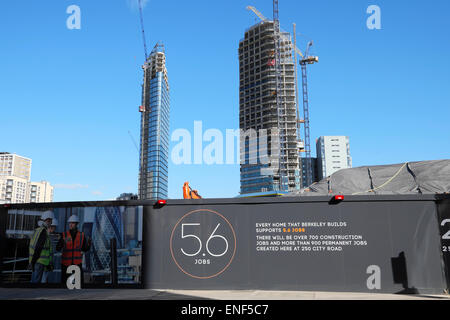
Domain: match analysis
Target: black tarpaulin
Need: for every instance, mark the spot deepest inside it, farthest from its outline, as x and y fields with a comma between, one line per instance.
x=423, y=177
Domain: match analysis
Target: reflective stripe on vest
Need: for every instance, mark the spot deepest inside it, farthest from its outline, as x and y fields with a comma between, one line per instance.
x=45, y=257
x=72, y=249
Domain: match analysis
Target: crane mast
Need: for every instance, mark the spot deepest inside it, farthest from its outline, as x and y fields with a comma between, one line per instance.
x=303, y=62
x=142, y=28
x=308, y=163
x=143, y=106
x=300, y=148
x=281, y=112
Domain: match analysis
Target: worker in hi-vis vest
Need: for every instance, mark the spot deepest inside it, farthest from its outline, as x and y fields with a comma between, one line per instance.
x=51, y=276
x=72, y=243
x=40, y=249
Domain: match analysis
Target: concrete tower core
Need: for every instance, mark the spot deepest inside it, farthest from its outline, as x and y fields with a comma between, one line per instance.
x=258, y=108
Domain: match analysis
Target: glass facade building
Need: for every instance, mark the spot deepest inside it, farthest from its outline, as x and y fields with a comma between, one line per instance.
x=155, y=109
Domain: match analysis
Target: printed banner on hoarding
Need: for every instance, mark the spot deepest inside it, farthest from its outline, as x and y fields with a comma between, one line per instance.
x=383, y=246
x=389, y=246
x=105, y=243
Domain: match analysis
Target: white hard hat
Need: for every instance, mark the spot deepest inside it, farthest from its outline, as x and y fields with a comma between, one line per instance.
x=74, y=218
x=47, y=215
x=54, y=223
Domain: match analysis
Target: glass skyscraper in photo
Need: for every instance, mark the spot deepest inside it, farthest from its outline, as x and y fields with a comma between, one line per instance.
x=155, y=108
x=108, y=224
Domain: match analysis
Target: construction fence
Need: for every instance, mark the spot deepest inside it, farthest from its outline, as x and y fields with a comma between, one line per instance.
x=377, y=243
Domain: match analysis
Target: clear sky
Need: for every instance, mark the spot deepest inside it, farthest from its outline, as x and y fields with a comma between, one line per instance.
x=68, y=98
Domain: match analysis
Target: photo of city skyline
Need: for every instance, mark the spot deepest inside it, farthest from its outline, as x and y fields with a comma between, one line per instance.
x=100, y=224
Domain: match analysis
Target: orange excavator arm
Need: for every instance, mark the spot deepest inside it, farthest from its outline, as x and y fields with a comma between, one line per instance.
x=188, y=193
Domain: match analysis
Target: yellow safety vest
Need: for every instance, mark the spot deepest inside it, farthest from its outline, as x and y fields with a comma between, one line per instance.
x=46, y=254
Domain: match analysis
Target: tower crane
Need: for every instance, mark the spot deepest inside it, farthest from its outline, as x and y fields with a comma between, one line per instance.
x=142, y=107
x=279, y=98
x=263, y=18
x=259, y=14
x=307, y=59
x=142, y=28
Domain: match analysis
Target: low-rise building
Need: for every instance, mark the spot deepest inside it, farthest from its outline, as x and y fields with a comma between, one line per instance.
x=40, y=192
x=15, y=184
x=15, y=165
x=13, y=189
x=333, y=154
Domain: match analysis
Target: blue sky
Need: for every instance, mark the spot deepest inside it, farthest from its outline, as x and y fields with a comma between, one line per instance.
x=69, y=97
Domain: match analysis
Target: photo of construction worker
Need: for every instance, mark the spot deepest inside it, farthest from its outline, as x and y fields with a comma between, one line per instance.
x=80, y=236
x=40, y=248
x=72, y=243
x=53, y=276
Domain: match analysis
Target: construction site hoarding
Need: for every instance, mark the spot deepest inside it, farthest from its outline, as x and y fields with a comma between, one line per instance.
x=386, y=244
x=362, y=244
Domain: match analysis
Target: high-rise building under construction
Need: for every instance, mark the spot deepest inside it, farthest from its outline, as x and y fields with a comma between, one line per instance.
x=154, y=154
x=258, y=109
